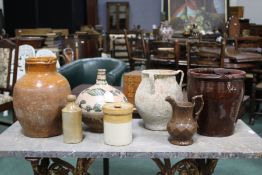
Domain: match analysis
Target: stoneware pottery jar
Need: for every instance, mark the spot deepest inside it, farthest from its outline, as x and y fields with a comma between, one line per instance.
x=183, y=124
x=150, y=96
x=223, y=91
x=39, y=97
x=72, y=121
x=92, y=99
x=118, y=123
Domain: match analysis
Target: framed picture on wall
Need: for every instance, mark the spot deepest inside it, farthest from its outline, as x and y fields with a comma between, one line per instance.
x=208, y=15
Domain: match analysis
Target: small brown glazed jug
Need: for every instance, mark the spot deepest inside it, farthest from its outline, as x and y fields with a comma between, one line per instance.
x=183, y=123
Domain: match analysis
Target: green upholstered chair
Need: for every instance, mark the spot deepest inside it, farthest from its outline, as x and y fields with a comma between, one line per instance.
x=84, y=71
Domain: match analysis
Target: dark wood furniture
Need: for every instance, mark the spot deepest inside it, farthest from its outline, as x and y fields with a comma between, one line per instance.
x=8, y=75
x=250, y=43
x=256, y=97
x=163, y=54
x=92, y=12
x=237, y=11
x=254, y=29
x=205, y=54
x=136, y=49
x=117, y=16
x=243, y=55
x=69, y=14
x=84, y=46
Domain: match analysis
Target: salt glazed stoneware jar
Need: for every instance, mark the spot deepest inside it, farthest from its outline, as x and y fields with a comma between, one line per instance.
x=150, y=96
x=92, y=99
x=39, y=97
x=223, y=91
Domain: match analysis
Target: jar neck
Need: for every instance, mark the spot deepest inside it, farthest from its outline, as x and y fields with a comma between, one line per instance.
x=41, y=64
x=40, y=67
x=101, y=77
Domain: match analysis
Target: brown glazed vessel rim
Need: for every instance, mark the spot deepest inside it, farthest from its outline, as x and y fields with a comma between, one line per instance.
x=41, y=60
x=216, y=73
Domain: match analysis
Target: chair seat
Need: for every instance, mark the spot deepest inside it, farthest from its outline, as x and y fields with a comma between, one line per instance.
x=254, y=50
x=138, y=59
x=5, y=99
x=249, y=75
x=241, y=56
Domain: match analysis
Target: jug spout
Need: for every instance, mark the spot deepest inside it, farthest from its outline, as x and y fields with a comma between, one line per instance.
x=172, y=101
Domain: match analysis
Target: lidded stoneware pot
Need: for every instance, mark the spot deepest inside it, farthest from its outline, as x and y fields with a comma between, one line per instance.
x=118, y=123
x=223, y=92
x=39, y=97
x=92, y=99
x=150, y=96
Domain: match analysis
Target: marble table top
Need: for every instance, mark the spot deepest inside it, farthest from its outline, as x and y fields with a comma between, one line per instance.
x=244, y=143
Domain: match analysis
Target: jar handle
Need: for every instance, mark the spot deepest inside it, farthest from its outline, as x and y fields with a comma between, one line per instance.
x=181, y=78
x=201, y=105
x=152, y=83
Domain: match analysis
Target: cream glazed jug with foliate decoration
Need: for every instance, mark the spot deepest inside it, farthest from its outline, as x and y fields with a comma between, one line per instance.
x=92, y=99
x=150, y=96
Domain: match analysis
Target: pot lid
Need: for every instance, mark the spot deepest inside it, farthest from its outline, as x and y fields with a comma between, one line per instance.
x=118, y=108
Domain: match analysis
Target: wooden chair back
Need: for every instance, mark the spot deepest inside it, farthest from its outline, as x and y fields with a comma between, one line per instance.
x=233, y=27
x=8, y=69
x=8, y=66
x=163, y=53
x=205, y=54
x=136, y=48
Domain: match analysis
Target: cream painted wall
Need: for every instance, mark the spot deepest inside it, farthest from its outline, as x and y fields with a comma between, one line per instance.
x=252, y=9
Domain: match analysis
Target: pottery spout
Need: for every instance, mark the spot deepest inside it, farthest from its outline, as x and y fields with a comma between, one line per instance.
x=172, y=102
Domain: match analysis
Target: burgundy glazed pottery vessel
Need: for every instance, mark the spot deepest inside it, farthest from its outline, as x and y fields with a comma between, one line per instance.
x=183, y=124
x=223, y=91
x=39, y=97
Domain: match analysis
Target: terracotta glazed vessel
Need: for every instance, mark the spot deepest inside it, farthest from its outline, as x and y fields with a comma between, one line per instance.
x=151, y=93
x=183, y=124
x=92, y=99
x=39, y=97
x=223, y=91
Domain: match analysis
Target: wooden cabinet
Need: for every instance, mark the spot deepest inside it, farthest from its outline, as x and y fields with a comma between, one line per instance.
x=84, y=46
x=117, y=16
x=237, y=11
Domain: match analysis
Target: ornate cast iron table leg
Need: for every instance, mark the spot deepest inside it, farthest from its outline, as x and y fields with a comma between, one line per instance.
x=186, y=166
x=43, y=166
x=82, y=166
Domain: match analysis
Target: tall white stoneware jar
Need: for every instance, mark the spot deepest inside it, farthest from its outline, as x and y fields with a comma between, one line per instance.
x=150, y=96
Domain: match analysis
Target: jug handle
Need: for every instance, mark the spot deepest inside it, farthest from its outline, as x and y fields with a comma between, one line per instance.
x=152, y=83
x=201, y=105
x=181, y=78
